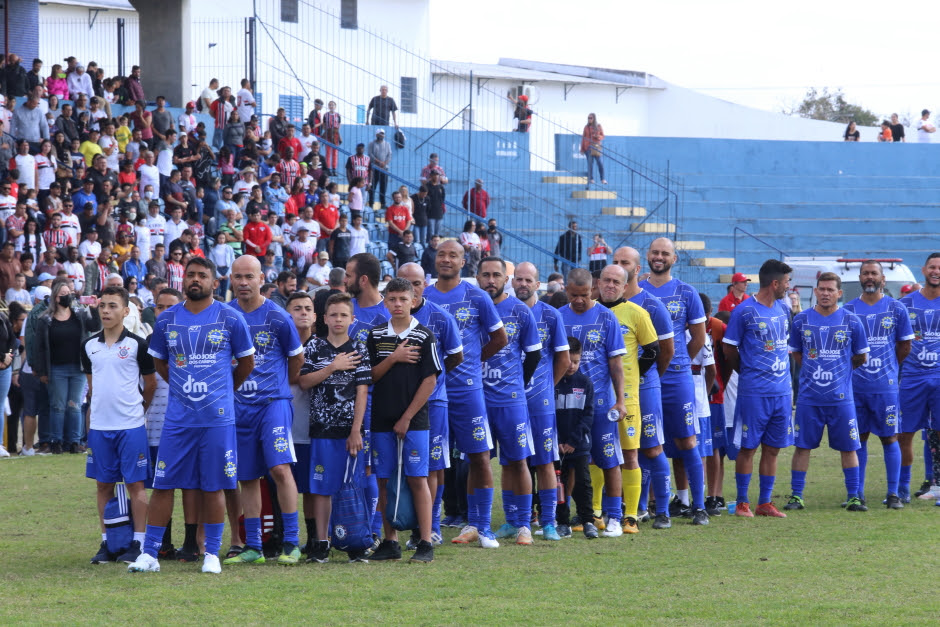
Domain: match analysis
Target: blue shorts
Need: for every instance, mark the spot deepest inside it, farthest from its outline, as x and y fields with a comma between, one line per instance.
x=327, y=465
x=877, y=413
x=719, y=441
x=678, y=403
x=512, y=432
x=197, y=458
x=121, y=455
x=704, y=440
x=264, y=437
x=651, y=409
x=545, y=439
x=414, y=455
x=438, y=437
x=605, y=441
x=920, y=404
x=840, y=419
x=301, y=468
x=764, y=420
x=469, y=427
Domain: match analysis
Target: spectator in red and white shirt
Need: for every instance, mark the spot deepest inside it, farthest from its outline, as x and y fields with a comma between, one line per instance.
x=288, y=168
x=175, y=270
x=257, y=235
x=16, y=225
x=433, y=166
x=289, y=141
x=302, y=249
x=399, y=219
x=55, y=236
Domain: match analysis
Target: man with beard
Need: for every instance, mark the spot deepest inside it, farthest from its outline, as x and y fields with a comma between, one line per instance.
x=678, y=392
x=540, y=396
x=193, y=347
x=888, y=327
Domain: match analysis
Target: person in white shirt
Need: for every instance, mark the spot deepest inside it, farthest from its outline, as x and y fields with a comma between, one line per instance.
x=156, y=223
x=360, y=236
x=319, y=273
x=18, y=293
x=246, y=182
x=142, y=237
x=245, y=101
x=174, y=227
x=187, y=119
x=109, y=146
x=79, y=82
x=302, y=249
x=165, y=156
x=75, y=269
x=306, y=142
x=26, y=164
x=306, y=220
x=7, y=202
x=90, y=247
x=924, y=127
x=149, y=175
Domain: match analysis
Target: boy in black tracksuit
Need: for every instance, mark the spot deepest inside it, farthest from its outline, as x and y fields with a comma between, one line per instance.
x=574, y=396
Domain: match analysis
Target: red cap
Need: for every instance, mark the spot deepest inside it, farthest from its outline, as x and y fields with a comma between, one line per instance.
x=191, y=103
x=907, y=289
x=524, y=98
x=739, y=277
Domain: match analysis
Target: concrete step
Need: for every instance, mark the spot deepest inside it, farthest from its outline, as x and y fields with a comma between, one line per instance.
x=593, y=194
x=632, y=212
x=342, y=188
x=653, y=227
x=713, y=262
x=690, y=245
x=565, y=180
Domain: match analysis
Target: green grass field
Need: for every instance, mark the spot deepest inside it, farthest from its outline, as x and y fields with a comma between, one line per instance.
x=821, y=565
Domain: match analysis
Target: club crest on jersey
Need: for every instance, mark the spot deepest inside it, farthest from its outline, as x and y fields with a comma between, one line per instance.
x=543, y=334
x=161, y=469
x=892, y=418
x=123, y=353
x=462, y=314
x=262, y=338
x=594, y=336
x=522, y=440
x=280, y=444
x=512, y=328
x=180, y=360
x=853, y=433
x=547, y=445
x=631, y=431
x=215, y=336
x=807, y=333
x=362, y=335
x=436, y=452
x=674, y=307
x=769, y=346
x=479, y=434
x=173, y=335
x=339, y=531
x=918, y=335
x=841, y=336
x=887, y=323
x=141, y=459
x=812, y=353
x=649, y=429
x=608, y=450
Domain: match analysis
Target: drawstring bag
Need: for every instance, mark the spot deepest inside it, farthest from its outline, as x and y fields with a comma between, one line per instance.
x=350, y=519
x=118, y=524
x=399, y=139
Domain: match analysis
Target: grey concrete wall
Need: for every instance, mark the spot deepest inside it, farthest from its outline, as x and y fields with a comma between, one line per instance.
x=165, y=49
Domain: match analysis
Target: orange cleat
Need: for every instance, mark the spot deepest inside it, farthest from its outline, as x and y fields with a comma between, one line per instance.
x=769, y=509
x=744, y=510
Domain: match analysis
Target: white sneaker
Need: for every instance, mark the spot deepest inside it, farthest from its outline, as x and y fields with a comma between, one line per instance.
x=144, y=564
x=613, y=530
x=210, y=564
x=488, y=541
x=28, y=452
x=4, y=452
x=436, y=539
x=930, y=495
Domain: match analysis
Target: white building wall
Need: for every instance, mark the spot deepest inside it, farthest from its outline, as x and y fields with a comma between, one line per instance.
x=64, y=32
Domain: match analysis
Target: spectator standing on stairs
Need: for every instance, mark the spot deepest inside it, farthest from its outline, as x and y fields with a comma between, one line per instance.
x=737, y=294
x=569, y=246
x=476, y=200
x=380, y=155
x=925, y=128
x=897, y=129
x=591, y=139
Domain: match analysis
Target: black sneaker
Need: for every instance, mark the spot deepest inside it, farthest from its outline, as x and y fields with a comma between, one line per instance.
x=131, y=554
x=794, y=502
x=720, y=502
x=662, y=522
x=590, y=531
x=187, y=554
x=389, y=550
x=894, y=502
x=678, y=509
x=102, y=555
x=358, y=557
x=564, y=531
x=413, y=541
x=167, y=552
x=56, y=448
x=856, y=504
x=307, y=548
x=924, y=489
x=320, y=553
x=376, y=541
x=424, y=553
x=643, y=516
x=700, y=517
x=711, y=506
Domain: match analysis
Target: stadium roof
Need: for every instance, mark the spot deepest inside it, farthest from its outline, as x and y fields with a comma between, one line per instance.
x=535, y=71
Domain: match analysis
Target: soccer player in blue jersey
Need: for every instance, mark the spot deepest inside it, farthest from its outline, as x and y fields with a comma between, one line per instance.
x=829, y=342
x=363, y=272
x=450, y=347
x=540, y=393
x=505, y=377
x=920, y=380
x=193, y=346
x=482, y=336
x=677, y=390
x=653, y=460
x=756, y=347
x=601, y=360
x=888, y=327
x=263, y=413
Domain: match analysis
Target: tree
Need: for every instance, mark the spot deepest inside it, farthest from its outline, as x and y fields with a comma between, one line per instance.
x=832, y=107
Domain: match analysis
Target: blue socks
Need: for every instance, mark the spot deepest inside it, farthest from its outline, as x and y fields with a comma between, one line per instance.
x=484, y=503
x=253, y=533
x=851, y=481
x=743, y=481
x=766, y=489
x=473, y=520
x=214, y=537
x=645, y=467
x=510, y=508
x=660, y=483
x=153, y=540
x=696, y=475
x=547, y=500
x=524, y=509
x=436, y=510
x=612, y=506
x=904, y=481
x=797, y=482
x=291, y=528
x=893, y=465
x=862, y=455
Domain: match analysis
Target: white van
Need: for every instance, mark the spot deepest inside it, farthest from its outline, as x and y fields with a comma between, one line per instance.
x=807, y=269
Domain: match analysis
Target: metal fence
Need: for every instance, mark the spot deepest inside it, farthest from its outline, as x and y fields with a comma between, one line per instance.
x=108, y=41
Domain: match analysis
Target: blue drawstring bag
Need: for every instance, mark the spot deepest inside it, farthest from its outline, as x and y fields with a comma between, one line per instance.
x=399, y=505
x=350, y=519
x=118, y=524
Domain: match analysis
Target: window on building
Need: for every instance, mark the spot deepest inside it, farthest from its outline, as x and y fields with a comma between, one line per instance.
x=409, y=94
x=294, y=108
x=348, y=16
x=290, y=10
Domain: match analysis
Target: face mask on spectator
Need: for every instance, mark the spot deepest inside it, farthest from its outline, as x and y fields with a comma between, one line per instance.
x=65, y=300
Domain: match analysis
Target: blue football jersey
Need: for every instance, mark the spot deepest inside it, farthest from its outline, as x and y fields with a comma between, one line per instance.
x=685, y=308
x=199, y=349
x=366, y=318
x=924, y=360
x=827, y=344
x=476, y=318
x=446, y=334
x=886, y=323
x=762, y=336
x=275, y=339
x=502, y=373
x=541, y=391
x=598, y=330
x=662, y=323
